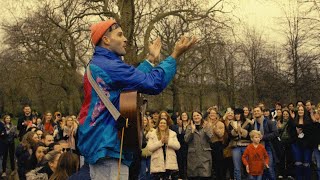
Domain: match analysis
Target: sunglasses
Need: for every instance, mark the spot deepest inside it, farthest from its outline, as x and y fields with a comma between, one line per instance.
x=66, y=149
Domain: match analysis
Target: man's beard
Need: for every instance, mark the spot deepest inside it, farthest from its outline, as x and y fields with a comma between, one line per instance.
x=257, y=117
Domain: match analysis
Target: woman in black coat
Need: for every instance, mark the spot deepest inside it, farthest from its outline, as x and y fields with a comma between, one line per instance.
x=301, y=132
x=9, y=147
x=182, y=121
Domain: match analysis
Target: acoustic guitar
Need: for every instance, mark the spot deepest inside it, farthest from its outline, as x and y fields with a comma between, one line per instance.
x=132, y=106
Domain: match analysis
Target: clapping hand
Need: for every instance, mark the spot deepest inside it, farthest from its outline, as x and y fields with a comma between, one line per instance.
x=279, y=124
x=239, y=129
x=154, y=50
x=292, y=114
x=299, y=130
x=164, y=139
x=182, y=45
x=193, y=126
x=179, y=122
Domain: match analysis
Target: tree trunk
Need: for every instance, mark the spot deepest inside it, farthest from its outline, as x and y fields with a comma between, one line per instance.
x=127, y=12
x=176, y=106
x=232, y=85
x=71, y=85
x=74, y=103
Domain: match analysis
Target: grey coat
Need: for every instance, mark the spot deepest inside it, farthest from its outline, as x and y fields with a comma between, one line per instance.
x=199, y=152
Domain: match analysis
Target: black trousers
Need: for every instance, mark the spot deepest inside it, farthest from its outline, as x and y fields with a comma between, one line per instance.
x=217, y=159
x=227, y=164
x=169, y=174
x=182, y=155
x=9, y=150
x=285, y=165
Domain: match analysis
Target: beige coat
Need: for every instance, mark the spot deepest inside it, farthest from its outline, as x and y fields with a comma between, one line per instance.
x=158, y=164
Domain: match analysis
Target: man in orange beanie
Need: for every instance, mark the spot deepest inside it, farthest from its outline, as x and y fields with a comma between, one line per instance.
x=97, y=134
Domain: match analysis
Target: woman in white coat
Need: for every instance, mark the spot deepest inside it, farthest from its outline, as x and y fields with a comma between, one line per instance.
x=163, y=143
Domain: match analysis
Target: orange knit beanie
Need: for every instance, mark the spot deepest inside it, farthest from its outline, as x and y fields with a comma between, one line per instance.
x=98, y=29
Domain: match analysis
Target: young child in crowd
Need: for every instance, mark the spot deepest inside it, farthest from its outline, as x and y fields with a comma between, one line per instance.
x=255, y=157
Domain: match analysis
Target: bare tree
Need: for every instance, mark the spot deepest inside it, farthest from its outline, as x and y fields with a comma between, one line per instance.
x=139, y=18
x=252, y=48
x=53, y=39
x=301, y=28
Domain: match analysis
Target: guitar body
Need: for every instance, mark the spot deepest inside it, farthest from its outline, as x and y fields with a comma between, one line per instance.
x=130, y=107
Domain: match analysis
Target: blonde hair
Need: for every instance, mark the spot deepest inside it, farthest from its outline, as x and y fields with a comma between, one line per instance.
x=209, y=111
x=168, y=117
x=158, y=130
x=66, y=120
x=147, y=127
x=253, y=133
x=50, y=156
x=27, y=140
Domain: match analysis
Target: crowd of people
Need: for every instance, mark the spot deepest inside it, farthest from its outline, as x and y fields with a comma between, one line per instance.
x=46, y=149
x=242, y=143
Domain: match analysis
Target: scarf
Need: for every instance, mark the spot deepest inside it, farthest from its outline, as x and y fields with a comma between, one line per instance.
x=261, y=129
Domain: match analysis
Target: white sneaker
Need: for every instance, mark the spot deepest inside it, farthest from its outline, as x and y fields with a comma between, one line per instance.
x=4, y=175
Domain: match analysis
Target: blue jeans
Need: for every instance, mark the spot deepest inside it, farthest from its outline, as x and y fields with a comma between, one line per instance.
x=302, y=160
x=255, y=177
x=270, y=172
x=145, y=169
x=317, y=156
x=108, y=169
x=237, y=162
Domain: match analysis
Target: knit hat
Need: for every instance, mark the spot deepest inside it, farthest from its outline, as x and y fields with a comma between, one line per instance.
x=98, y=29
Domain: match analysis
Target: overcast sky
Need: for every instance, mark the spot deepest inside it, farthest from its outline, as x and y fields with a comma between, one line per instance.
x=262, y=14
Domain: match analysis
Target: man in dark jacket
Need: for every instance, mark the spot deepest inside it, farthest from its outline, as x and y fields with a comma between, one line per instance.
x=2, y=142
x=269, y=131
x=24, y=121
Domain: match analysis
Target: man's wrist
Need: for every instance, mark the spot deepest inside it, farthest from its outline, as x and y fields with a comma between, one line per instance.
x=175, y=55
x=151, y=58
x=150, y=63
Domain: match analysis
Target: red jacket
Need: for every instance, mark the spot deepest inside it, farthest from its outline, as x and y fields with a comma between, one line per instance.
x=256, y=158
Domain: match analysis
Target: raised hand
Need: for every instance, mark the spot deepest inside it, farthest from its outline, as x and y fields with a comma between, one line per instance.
x=179, y=122
x=239, y=129
x=299, y=130
x=164, y=140
x=292, y=114
x=279, y=124
x=193, y=127
x=154, y=50
x=182, y=46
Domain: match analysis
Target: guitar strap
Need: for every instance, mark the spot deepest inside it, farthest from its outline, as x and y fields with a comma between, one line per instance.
x=106, y=101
